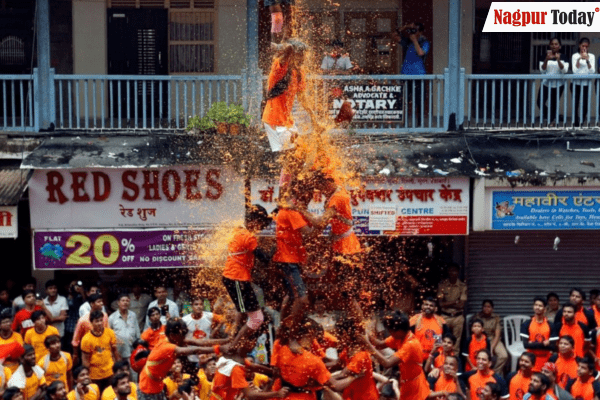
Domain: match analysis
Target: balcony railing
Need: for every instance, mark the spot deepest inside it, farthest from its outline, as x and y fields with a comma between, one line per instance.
x=511, y=102
x=420, y=103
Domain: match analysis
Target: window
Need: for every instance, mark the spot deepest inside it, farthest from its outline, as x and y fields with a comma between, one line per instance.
x=191, y=41
x=12, y=51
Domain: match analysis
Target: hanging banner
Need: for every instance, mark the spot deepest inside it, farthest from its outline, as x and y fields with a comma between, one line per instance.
x=127, y=249
x=177, y=196
x=8, y=222
x=545, y=209
x=418, y=206
x=371, y=102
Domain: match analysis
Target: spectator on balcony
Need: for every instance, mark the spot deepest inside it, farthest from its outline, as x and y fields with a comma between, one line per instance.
x=336, y=62
x=552, y=89
x=414, y=47
x=582, y=63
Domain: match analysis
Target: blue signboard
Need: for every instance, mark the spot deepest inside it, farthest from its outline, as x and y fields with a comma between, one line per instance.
x=546, y=209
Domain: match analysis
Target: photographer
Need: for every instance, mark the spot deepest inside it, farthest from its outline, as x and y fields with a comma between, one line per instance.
x=414, y=47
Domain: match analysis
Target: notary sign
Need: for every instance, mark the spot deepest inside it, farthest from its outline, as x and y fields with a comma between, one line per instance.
x=377, y=103
x=403, y=206
x=546, y=209
x=130, y=249
x=178, y=196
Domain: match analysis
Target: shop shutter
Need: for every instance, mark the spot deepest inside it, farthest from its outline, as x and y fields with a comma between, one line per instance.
x=512, y=274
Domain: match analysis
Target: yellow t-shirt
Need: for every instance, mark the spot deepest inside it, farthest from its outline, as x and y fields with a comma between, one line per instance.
x=92, y=394
x=56, y=370
x=9, y=362
x=31, y=386
x=99, y=349
x=171, y=385
x=109, y=392
x=204, y=388
x=37, y=340
x=6, y=374
x=259, y=379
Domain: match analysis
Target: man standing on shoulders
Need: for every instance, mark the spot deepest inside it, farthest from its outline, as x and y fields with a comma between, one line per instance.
x=125, y=325
x=57, y=306
x=452, y=295
x=428, y=327
x=168, y=309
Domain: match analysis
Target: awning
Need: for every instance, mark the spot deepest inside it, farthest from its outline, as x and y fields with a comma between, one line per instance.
x=13, y=183
x=140, y=151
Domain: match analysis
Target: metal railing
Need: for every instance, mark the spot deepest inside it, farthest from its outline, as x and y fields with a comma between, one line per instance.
x=532, y=101
x=139, y=101
x=17, y=102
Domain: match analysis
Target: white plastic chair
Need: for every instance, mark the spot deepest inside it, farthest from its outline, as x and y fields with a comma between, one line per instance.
x=512, y=337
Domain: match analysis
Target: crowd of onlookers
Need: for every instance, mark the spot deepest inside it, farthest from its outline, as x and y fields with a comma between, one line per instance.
x=79, y=346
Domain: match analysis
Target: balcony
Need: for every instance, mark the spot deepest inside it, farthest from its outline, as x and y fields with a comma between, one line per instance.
x=137, y=103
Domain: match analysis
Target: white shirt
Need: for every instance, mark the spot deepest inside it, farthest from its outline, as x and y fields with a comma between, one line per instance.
x=553, y=69
x=583, y=68
x=341, y=63
x=198, y=328
x=126, y=331
x=86, y=308
x=173, y=311
x=138, y=306
x=55, y=308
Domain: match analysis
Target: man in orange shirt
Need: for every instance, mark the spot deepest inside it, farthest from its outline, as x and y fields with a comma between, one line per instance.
x=569, y=326
x=518, y=381
x=477, y=379
x=156, y=332
x=409, y=358
x=237, y=275
x=7, y=336
x=582, y=314
x=447, y=381
x=585, y=387
x=291, y=232
x=286, y=80
x=428, y=327
x=536, y=334
x=477, y=341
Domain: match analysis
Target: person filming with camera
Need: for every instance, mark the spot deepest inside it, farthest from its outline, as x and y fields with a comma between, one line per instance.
x=414, y=48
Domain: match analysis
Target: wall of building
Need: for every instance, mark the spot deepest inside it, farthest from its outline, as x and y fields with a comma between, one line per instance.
x=89, y=37
x=231, y=36
x=440, y=35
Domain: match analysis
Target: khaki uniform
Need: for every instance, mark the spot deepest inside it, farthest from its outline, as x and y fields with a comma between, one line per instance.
x=448, y=292
x=490, y=324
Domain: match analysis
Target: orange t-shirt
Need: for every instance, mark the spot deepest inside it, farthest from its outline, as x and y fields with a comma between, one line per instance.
x=426, y=330
x=278, y=110
x=154, y=337
x=579, y=335
x=476, y=380
x=290, y=248
x=440, y=359
x=37, y=340
x=413, y=385
x=11, y=363
x=228, y=387
x=584, y=390
x=474, y=346
x=240, y=260
x=392, y=343
x=319, y=348
x=299, y=369
x=362, y=388
x=159, y=363
x=518, y=385
x=445, y=383
x=538, y=333
x=566, y=368
x=348, y=244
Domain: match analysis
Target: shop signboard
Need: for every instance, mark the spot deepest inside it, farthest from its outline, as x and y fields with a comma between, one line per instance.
x=402, y=206
x=371, y=102
x=545, y=209
x=116, y=249
x=198, y=196
x=8, y=222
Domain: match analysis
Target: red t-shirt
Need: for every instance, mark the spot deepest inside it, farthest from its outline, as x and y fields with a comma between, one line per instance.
x=290, y=248
x=228, y=387
x=22, y=321
x=240, y=260
x=160, y=360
